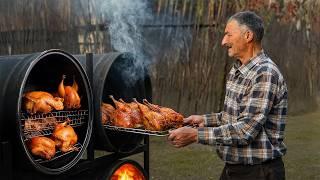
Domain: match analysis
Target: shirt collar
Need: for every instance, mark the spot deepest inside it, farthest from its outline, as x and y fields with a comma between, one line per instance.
x=244, y=69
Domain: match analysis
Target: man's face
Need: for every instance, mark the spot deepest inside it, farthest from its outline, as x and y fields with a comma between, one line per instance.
x=234, y=39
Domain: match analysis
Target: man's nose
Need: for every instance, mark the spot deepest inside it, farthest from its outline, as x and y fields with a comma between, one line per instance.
x=224, y=41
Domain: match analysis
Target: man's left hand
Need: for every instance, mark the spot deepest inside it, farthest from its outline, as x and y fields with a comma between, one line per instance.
x=183, y=136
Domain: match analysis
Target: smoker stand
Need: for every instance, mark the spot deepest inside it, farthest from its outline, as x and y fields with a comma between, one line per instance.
x=85, y=169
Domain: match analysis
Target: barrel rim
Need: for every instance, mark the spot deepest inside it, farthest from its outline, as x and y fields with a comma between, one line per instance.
x=69, y=165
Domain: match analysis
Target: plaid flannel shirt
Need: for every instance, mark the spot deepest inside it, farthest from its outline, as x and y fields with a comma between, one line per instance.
x=250, y=129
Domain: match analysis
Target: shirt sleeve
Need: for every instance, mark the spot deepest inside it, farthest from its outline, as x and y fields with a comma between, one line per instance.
x=251, y=118
x=212, y=119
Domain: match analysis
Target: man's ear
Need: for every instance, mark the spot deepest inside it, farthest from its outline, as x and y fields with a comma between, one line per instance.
x=248, y=36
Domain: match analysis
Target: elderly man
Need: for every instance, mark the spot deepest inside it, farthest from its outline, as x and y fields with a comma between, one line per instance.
x=248, y=134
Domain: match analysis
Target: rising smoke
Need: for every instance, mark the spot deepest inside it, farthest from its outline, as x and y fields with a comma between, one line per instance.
x=124, y=20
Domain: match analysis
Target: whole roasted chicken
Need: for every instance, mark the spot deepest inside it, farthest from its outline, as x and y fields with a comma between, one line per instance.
x=173, y=119
x=107, y=113
x=159, y=118
x=69, y=94
x=40, y=101
x=64, y=136
x=43, y=147
x=152, y=120
x=126, y=114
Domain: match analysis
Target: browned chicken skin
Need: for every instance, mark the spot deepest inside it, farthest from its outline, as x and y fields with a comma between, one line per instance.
x=107, y=113
x=65, y=137
x=173, y=119
x=69, y=94
x=40, y=101
x=135, y=113
x=125, y=116
x=138, y=115
x=43, y=147
x=151, y=120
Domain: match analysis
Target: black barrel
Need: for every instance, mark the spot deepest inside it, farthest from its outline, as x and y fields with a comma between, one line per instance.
x=120, y=75
x=42, y=71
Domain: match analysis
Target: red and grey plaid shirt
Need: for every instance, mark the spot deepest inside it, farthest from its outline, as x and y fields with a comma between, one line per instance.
x=250, y=129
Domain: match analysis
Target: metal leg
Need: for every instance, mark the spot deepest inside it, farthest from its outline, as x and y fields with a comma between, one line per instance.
x=146, y=156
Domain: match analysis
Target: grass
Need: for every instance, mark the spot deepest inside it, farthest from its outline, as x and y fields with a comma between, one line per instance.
x=302, y=160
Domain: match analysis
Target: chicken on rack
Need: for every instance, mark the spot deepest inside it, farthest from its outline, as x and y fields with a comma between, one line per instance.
x=40, y=124
x=42, y=146
x=65, y=137
x=107, y=113
x=173, y=119
x=152, y=120
x=41, y=102
x=126, y=114
x=69, y=94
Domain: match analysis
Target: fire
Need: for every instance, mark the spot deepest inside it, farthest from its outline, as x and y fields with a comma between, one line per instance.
x=128, y=172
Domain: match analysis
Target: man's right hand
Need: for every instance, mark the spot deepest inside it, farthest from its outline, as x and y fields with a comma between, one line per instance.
x=194, y=120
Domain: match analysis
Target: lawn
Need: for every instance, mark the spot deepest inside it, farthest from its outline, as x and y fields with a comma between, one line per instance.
x=200, y=162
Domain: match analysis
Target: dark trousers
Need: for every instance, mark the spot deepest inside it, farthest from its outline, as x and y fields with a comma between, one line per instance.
x=271, y=170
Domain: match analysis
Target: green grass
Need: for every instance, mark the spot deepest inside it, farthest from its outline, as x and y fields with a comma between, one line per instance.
x=302, y=160
x=303, y=141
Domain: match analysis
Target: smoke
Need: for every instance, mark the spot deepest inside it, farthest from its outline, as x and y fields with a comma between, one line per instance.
x=124, y=20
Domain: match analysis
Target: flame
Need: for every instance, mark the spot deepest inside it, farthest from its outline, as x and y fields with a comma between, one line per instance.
x=128, y=172
x=125, y=176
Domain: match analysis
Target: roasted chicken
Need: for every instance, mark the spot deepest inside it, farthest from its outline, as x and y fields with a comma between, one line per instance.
x=64, y=137
x=39, y=124
x=107, y=113
x=43, y=147
x=126, y=114
x=42, y=102
x=140, y=115
x=135, y=114
x=69, y=94
x=173, y=119
x=152, y=120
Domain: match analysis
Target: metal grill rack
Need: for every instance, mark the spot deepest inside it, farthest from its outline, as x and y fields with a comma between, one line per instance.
x=59, y=154
x=43, y=124
x=137, y=131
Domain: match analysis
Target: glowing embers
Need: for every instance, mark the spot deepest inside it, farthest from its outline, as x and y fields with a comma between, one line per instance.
x=128, y=172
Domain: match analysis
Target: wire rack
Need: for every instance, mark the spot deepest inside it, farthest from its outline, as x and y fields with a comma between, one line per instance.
x=59, y=154
x=43, y=124
x=136, y=131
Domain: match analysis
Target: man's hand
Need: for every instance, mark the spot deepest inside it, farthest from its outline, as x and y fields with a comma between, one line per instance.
x=183, y=136
x=194, y=120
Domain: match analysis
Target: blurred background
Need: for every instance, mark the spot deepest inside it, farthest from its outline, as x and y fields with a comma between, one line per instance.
x=180, y=43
